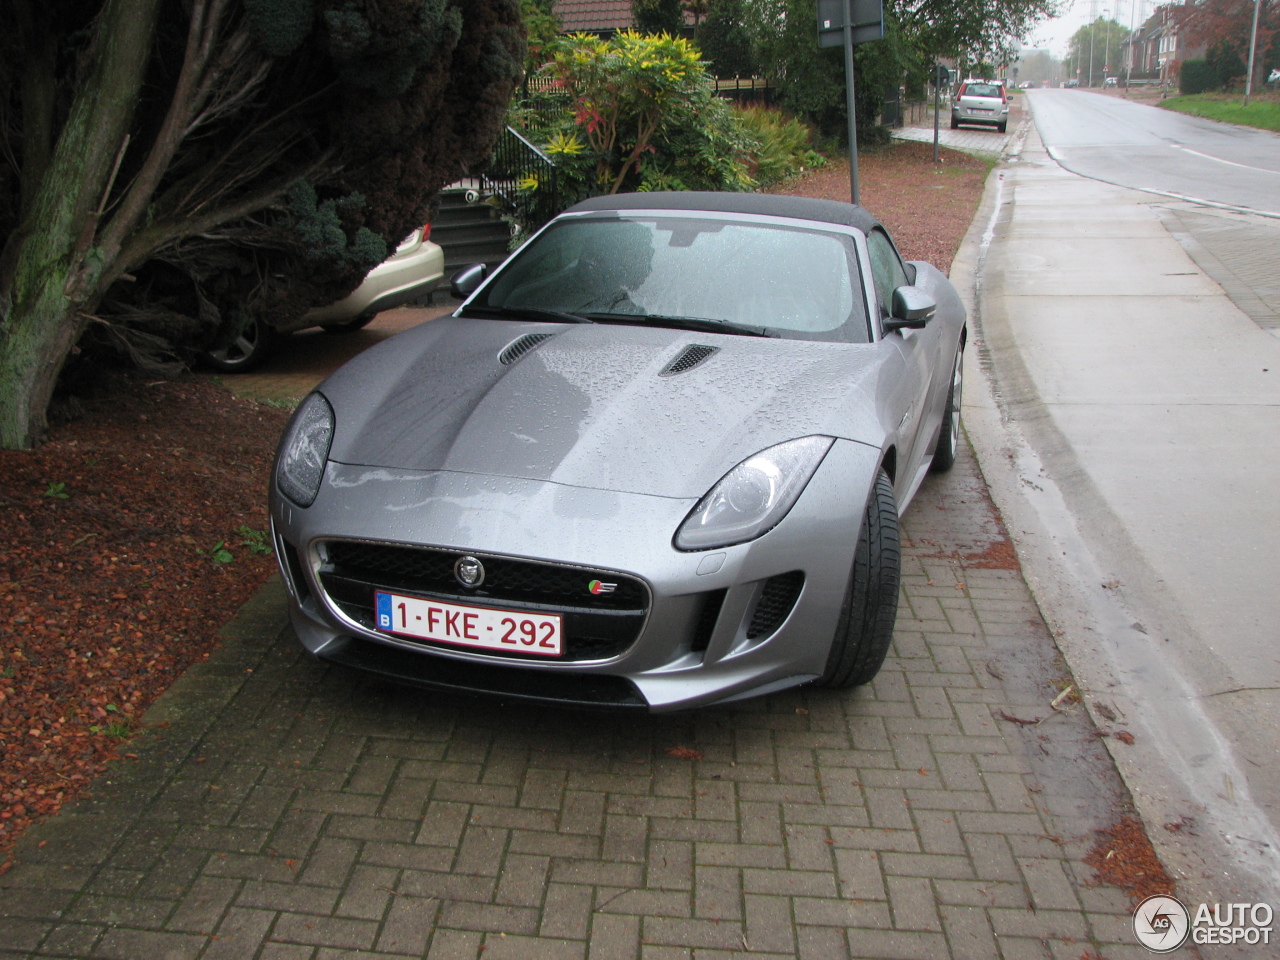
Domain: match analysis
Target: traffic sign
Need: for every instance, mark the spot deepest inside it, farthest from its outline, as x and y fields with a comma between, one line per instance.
x=867, y=21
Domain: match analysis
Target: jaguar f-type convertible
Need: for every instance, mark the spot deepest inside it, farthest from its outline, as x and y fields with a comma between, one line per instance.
x=655, y=460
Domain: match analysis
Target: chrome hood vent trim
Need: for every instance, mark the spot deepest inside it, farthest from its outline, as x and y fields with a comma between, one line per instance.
x=518, y=347
x=689, y=358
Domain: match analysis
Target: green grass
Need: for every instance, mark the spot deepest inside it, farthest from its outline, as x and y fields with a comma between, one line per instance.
x=1263, y=112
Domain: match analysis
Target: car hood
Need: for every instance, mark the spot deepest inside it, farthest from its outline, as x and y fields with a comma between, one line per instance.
x=594, y=405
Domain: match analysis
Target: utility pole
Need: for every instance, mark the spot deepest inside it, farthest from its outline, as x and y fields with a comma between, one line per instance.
x=850, y=100
x=846, y=23
x=1253, y=49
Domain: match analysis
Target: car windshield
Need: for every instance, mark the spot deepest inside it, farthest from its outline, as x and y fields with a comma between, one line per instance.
x=981, y=90
x=748, y=277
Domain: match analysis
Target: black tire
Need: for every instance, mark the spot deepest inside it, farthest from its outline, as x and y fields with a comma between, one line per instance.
x=349, y=326
x=247, y=351
x=1002, y=126
x=870, y=607
x=955, y=124
x=948, y=446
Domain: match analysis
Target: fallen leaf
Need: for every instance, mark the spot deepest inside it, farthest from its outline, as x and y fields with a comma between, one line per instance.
x=684, y=753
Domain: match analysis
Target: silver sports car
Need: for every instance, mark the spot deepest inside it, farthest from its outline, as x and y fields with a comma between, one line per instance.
x=654, y=461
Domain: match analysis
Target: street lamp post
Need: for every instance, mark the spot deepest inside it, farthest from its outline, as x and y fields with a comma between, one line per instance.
x=1253, y=49
x=1093, y=28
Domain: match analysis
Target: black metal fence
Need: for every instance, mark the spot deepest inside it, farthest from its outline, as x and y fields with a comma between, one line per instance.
x=524, y=178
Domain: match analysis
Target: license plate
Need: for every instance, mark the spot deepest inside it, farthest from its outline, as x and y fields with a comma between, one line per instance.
x=482, y=628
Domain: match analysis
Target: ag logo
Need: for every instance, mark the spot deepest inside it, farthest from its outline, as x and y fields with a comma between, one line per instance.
x=1161, y=924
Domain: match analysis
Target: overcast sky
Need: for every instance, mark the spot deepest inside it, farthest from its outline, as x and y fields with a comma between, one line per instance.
x=1053, y=35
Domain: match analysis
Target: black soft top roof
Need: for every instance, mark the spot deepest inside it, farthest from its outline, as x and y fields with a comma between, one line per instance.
x=761, y=204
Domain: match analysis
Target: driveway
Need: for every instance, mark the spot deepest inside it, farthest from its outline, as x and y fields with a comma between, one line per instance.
x=280, y=808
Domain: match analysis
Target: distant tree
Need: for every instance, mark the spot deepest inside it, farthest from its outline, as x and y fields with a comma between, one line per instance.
x=811, y=82
x=541, y=27
x=1097, y=44
x=172, y=166
x=974, y=30
x=725, y=39
x=658, y=16
x=1224, y=26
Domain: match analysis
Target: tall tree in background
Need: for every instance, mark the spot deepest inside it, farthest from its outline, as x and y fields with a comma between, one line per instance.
x=1225, y=27
x=976, y=31
x=810, y=82
x=658, y=16
x=541, y=27
x=168, y=163
x=726, y=40
x=1096, y=43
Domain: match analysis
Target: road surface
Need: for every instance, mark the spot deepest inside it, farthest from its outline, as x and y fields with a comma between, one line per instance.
x=1141, y=406
x=1144, y=147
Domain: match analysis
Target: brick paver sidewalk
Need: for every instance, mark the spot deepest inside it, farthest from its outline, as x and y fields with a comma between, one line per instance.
x=282, y=809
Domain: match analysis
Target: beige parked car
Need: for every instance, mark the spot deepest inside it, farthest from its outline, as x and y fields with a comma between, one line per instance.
x=413, y=271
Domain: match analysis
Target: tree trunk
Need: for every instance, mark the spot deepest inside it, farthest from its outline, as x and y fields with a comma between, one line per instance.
x=57, y=262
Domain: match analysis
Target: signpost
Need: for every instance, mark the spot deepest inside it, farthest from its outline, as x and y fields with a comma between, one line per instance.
x=843, y=23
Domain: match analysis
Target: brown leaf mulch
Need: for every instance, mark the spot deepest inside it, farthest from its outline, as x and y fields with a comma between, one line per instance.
x=926, y=206
x=110, y=584
x=110, y=576
x=1124, y=857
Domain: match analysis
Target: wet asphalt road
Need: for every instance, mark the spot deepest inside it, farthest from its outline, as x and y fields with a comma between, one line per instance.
x=1141, y=146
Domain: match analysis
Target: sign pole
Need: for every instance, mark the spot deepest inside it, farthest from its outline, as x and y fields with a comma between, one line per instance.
x=850, y=99
x=937, y=105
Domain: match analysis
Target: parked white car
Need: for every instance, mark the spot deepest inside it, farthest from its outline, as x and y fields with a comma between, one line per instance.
x=413, y=271
x=983, y=102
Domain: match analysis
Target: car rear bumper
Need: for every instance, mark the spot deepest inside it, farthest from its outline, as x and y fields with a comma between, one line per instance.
x=390, y=284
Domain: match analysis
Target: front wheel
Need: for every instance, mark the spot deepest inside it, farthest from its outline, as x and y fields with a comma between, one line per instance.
x=865, y=629
x=944, y=454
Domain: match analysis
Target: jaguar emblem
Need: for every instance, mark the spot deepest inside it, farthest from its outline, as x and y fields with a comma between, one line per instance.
x=469, y=571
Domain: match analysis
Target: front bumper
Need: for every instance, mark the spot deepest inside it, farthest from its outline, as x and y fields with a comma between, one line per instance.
x=716, y=625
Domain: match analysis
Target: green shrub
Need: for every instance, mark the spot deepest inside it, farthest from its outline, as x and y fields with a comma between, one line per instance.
x=1197, y=76
x=639, y=113
x=786, y=146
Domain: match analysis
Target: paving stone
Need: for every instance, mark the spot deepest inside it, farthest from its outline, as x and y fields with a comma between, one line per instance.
x=896, y=820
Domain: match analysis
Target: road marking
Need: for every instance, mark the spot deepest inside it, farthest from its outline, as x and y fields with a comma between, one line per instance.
x=1228, y=162
x=1207, y=203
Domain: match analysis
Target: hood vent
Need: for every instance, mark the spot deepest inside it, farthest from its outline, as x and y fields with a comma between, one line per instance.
x=518, y=347
x=692, y=355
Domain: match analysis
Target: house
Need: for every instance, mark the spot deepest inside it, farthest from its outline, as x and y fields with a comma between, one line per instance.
x=601, y=17
x=1157, y=48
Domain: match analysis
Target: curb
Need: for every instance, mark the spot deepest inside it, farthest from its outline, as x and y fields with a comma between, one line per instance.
x=1057, y=565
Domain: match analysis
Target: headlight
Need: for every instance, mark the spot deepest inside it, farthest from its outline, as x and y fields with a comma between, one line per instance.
x=305, y=450
x=754, y=496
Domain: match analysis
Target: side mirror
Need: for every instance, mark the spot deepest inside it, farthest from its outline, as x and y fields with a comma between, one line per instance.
x=912, y=308
x=467, y=280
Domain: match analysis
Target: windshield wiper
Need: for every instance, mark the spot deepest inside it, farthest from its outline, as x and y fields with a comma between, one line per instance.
x=525, y=313
x=705, y=324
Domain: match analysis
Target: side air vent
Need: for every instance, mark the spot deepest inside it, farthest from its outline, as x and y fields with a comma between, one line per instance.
x=692, y=355
x=776, y=600
x=518, y=347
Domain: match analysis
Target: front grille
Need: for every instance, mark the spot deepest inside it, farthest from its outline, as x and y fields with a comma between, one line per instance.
x=693, y=355
x=596, y=626
x=776, y=600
